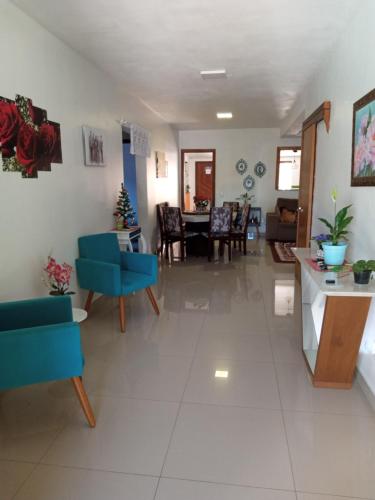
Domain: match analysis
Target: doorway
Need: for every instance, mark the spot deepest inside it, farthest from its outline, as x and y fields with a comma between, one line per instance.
x=307, y=175
x=197, y=179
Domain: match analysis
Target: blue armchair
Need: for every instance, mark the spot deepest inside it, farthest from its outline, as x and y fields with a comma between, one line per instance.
x=39, y=342
x=102, y=268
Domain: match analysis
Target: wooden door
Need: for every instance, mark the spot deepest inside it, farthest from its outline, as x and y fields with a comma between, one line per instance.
x=203, y=180
x=307, y=172
x=306, y=186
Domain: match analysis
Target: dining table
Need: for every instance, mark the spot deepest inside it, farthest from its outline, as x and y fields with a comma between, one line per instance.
x=197, y=223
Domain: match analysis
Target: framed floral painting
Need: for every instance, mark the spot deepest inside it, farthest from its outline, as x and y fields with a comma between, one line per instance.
x=363, y=145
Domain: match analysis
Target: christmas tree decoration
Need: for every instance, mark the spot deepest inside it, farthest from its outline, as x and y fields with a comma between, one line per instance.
x=124, y=209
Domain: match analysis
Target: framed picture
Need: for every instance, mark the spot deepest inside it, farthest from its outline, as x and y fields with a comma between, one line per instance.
x=93, y=145
x=161, y=164
x=363, y=143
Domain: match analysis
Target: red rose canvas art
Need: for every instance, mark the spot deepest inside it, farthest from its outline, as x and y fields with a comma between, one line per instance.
x=29, y=142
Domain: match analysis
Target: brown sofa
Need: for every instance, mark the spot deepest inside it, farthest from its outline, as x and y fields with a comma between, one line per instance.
x=275, y=228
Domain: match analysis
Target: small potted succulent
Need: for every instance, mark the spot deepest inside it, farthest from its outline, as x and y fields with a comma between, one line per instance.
x=362, y=270
x=335, y=249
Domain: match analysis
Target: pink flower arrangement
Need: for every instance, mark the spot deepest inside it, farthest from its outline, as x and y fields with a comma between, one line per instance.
x=365, y=147
x=58, y=276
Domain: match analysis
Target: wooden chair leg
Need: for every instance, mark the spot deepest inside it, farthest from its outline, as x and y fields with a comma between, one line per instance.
x=153, y=300
x=244, y=245
x=230, y=249
x=89, y=301
x=121, y=301
x=166, y=249
x=84, y=400
x=182, y=250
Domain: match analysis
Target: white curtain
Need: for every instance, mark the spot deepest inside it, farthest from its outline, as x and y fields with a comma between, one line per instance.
x=140, y=141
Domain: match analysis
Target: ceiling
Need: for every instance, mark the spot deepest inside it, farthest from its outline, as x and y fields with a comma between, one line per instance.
x=156, y=48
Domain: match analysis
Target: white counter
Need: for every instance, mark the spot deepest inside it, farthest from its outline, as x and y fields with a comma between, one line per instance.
x=345, y=286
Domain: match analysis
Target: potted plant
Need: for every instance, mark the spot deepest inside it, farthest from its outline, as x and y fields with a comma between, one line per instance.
x=245, y=198
x=57, y=277
x=335, y=249
x=362, y=270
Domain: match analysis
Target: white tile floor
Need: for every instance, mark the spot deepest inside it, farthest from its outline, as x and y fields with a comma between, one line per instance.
x=167, y=429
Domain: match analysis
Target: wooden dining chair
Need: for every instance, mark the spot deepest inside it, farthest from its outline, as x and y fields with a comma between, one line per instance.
x=220, y=229
x=160, y=220
x=175, y=230
x=240, y=233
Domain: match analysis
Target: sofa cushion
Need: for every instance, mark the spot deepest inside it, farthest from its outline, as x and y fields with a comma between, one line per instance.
x=288, y=216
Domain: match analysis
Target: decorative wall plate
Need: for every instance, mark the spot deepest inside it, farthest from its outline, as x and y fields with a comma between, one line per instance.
x=249, y=182
x=241, y=166
x=260, y=169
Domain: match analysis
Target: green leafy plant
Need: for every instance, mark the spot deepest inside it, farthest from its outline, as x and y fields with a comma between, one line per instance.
x=341, y=221
x=245, y=198
x=363, y=265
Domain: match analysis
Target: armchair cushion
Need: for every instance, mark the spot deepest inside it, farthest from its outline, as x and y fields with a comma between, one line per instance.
x=31, y=350
x=35, y=312
x=140, y=263
x=111, y=272
x=132, y=282
x=101, y=277
x=288, y=216
x=102, y=247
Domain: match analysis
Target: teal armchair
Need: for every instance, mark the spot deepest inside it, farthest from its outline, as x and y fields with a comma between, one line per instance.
x=39, y=342
x=102, y=268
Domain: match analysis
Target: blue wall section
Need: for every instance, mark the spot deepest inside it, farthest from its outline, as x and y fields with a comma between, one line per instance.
x=130, y=177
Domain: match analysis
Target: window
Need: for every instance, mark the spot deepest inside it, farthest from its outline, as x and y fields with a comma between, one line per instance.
x=288, y=164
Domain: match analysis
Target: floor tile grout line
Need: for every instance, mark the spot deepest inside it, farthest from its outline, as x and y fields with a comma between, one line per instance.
x=221, y=483
x=179, y=407
x=24, y=482
x=280, y=400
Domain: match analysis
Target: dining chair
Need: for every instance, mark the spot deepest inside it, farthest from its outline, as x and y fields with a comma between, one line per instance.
x=175, y=230
x=220, y=229
x=102, y=268
x=40, y=342
x=160, y=220
x=239, y=233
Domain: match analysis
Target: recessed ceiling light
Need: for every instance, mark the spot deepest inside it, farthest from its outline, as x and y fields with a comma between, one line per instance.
x=221, y=374
x=224, y=116
x=213, y=73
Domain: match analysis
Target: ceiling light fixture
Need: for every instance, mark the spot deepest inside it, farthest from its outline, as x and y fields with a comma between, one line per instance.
x=209, y=74
x=221, y=374
x=224, y=116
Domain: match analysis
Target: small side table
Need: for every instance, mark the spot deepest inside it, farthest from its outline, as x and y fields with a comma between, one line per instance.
x=79, y=315
x=126, y=236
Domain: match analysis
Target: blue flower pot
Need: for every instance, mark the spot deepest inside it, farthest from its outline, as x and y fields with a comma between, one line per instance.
x=334, y=255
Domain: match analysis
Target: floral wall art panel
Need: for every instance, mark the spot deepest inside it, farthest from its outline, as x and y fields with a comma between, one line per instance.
x=363, y=145
x=29, y=142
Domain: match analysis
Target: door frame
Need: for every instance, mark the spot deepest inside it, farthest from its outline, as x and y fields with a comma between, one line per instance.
x=322, y=113
x=182, y=165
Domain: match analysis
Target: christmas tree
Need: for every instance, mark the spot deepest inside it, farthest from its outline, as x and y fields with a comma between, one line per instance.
x=124, y=208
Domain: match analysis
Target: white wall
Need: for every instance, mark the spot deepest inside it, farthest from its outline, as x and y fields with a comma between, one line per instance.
x=49, y=213
x=251, y=144
x=347, y=75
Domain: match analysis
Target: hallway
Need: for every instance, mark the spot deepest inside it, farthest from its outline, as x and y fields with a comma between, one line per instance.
x=210, y=401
